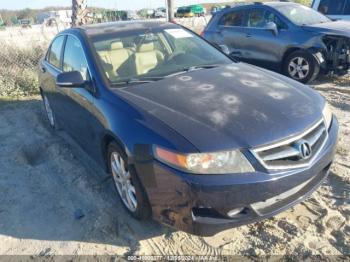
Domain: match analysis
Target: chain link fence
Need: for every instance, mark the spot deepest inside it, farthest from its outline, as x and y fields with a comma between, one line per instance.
x=20, y=51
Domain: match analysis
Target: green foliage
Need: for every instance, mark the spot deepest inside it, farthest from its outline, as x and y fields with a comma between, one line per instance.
x=18, y=70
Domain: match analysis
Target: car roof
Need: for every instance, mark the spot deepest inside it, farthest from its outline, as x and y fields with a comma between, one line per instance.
x=120, y=26
x=274, y=4
x=262, y=4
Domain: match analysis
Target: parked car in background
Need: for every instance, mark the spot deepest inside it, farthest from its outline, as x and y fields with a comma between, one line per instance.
x=283, y=36
x=160, y=12
x=335, y=9
x=190, y=11
x=25, y=23
x=184, y=11
x=132, y=15
x=190, y=137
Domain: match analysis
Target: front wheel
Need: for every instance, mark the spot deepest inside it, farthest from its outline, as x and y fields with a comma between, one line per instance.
x=301, y=66
x=127, y=184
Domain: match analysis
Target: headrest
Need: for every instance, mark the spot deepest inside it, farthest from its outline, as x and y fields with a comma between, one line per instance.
x=146, y=47
x=116, y=45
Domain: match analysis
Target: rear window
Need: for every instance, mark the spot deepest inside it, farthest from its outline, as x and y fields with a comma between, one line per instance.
x=332, y=7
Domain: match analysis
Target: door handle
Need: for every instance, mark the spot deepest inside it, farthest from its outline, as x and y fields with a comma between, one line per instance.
x=248, y=35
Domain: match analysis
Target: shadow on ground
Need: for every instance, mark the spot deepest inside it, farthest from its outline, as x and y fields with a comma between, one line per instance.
x=50, y=190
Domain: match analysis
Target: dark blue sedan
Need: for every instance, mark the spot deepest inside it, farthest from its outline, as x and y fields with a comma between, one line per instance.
x=190, y=137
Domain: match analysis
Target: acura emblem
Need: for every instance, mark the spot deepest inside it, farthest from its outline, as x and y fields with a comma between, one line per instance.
x=304, y=149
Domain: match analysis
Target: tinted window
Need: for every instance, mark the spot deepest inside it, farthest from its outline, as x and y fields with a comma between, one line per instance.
x=331, y=7
x=256, y=18
x=259, y=18
x=347, y=8
x=233, y=19
x=74, y=58
x=271, y=17
x=55, y=51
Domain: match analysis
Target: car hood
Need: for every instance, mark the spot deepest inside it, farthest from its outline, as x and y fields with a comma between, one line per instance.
x=334, y=27
x=233, y=106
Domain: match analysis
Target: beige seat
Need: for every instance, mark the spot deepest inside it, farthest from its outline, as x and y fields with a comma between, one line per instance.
x=147, y=58
x=118, y=55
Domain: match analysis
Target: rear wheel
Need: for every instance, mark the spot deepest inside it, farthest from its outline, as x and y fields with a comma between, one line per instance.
x=301, y=66
x=127, y=183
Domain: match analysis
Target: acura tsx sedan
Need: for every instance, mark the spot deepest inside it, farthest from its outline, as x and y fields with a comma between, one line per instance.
x=190, y=137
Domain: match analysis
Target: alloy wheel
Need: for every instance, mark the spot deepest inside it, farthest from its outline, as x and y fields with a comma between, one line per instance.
x=122, y=181
x=299, y=68
x=49, y=111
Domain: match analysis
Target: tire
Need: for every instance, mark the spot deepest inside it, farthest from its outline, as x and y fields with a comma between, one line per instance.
x=142, y=210
x=301, y=66
x=50, y=115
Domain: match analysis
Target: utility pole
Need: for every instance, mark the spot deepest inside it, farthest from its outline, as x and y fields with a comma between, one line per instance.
x=79, y=12
x=170, y=5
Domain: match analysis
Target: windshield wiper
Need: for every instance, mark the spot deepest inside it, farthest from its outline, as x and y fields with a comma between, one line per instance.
x=149, y=79
x=138, y=80
x=192, y=68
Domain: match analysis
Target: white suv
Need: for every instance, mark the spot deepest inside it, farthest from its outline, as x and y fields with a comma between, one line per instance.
x=335, y=9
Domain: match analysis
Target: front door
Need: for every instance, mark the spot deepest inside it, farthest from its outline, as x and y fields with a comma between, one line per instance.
x=262, y=46
x=78, y=103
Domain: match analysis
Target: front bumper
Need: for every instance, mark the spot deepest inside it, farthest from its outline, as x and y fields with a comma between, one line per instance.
x=199, y=204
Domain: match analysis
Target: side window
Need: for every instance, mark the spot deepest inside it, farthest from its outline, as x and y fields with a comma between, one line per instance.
x=74, y=58
x=256, y=18
x=271, y=17
x=233, y=19
x=54, y=55
x=331, y=7
x=259, y=18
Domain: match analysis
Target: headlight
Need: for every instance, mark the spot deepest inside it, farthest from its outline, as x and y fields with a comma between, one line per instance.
x=327, y=115
x=225, y=162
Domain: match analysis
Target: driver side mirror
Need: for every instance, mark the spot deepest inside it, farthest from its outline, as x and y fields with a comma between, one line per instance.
x=271, y=26
x=70, y=79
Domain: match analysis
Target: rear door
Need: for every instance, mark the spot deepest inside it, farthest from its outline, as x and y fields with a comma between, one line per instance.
x=231, y=31
x=50, y=67
x=260, y=45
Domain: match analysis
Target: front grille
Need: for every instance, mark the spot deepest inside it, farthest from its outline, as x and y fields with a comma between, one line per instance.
x=287, y=154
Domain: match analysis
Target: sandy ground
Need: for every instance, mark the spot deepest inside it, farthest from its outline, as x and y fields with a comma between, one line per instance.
x=55, y=201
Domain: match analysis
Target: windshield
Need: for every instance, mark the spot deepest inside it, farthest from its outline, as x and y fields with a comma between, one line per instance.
x=302, y=15
x=154, y=54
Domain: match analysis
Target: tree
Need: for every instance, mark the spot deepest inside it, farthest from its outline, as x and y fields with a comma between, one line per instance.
x=79, y=12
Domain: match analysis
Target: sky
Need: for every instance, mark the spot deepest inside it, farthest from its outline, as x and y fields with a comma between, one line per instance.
x=113, y=4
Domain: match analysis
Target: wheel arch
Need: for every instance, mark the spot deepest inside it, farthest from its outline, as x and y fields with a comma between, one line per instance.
x=289, y=51
x=108, y=138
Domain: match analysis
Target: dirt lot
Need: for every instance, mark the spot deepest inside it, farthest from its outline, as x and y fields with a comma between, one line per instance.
x=54, y=201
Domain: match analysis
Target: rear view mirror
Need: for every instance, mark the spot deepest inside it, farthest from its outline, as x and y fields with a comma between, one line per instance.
x=70, y=79
x=271, y=26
